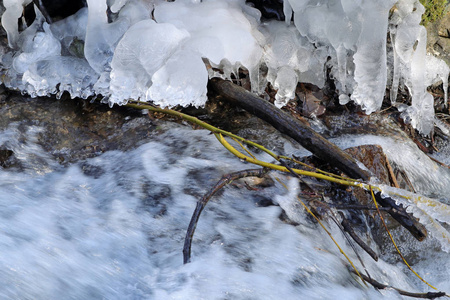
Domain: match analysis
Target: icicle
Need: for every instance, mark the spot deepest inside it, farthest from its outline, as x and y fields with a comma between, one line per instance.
x=427, y=210
x=396, y=72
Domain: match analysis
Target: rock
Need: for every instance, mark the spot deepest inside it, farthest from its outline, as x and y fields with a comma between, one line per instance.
x=438, y=38
x=74, y=129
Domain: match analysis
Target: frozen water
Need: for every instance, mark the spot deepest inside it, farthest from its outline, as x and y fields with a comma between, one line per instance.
x=370, y=56
x=13, y=12
x=137, y=59
x=172, y=85
x=347, y=37
x=430, y=180
x=43, y=46
x=220, y=31
x=413, y=65
x=70, y=74
x=117, y=233
x=285, y=83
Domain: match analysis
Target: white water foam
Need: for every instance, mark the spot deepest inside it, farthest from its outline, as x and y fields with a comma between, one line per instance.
x=112, y=227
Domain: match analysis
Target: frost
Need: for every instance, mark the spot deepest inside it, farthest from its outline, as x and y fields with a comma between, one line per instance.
x=429, y=211
x=343, y=38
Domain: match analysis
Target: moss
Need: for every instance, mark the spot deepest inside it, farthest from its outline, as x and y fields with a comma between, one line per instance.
x=434, y=10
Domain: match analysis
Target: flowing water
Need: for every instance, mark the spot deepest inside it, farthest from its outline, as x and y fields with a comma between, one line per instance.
x=112, y=226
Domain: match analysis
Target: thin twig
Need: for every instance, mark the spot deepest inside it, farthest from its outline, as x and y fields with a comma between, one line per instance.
x=348, y=228
x=391, y=172
x=380, y=286
x=395, y=245
x=226, y=179
x=321, y=224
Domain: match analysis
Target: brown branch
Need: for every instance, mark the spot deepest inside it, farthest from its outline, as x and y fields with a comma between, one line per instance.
x=312, y=141
x=348, y=228
x=381, y=286
x=226, y=179
x=391, y=173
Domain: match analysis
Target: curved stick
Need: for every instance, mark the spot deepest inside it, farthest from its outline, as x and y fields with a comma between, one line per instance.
x=226, y=179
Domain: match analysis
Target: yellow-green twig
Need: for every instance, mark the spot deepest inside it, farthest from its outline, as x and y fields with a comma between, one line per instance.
x=393, y=242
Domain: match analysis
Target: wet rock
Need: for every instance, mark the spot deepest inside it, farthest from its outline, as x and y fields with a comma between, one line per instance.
x=75, y=129
x=5, y=157
x=438, y=38
x=372, y=156
x=91, y=170
x=270, y=9
x=156, y=198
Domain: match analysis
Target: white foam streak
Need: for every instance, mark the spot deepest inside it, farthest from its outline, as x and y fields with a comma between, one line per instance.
x=118, y=233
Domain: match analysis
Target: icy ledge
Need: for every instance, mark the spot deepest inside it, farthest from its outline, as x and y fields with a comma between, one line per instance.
x=156, y=51
x=429, y=211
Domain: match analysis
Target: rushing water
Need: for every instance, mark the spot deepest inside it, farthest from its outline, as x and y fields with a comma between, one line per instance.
x=113, y=227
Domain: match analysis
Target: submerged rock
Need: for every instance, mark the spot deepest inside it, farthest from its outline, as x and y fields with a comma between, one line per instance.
x=72, y=130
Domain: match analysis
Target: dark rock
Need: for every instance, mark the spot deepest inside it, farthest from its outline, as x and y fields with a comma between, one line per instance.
x=53, y=10
x=5, y=155
x=75, y=129
x=438, y=38
x=270, y=9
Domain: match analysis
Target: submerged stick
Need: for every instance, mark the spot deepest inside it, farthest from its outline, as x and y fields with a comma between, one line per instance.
x=226, y=179
x=381, y=286
x=312, y=141
x=348, y=228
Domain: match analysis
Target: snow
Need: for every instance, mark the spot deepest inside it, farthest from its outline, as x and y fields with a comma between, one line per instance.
x=162, y=58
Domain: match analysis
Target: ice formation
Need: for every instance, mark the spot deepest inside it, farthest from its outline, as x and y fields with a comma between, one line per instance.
x=156, y=51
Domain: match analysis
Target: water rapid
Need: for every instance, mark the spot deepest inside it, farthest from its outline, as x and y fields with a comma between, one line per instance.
x=112, y=227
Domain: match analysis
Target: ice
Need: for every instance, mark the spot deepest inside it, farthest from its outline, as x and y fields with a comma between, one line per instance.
x=428, y=211
x=44, y=45
x=437, y=72
x=181, y=81
x=343, y=39
x=220, y=31
x=290, y=58
x=285, y=83
x=13, y=12
x=174, y=71
x=137, y=59
x=224, y=21
x=350, y=27
x=370, y=56
x=411, y=64
x=59, y=74
x=70, y=30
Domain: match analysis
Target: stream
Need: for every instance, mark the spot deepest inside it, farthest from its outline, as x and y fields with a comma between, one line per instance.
x=95, y=203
